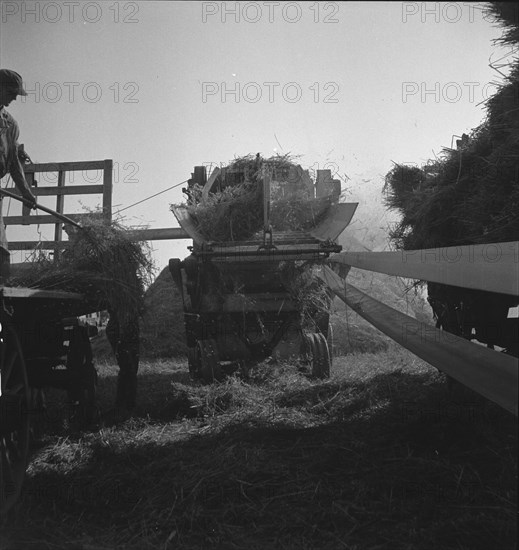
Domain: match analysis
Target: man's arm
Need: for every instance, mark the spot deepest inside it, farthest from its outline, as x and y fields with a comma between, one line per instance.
x=15, y=167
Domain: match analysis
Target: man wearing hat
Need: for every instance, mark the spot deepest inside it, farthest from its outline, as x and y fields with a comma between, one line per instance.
x=11, y=86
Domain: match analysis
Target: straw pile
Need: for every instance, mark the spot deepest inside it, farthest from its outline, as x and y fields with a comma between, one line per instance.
x=162, y=326
x=233, y=210
x=377, y=457
x=102, y=263
x=232, y=214
x=296, y=212
x=470, y=195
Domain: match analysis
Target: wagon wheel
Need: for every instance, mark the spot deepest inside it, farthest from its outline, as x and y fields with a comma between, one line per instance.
x=207, y=356
x=14, y=418
x=82, y=391
x=37, y=408
x=317, y=348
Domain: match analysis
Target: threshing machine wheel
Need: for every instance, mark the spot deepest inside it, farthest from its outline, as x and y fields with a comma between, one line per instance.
x=14, y=417
x=317, y=347
x=207, y=358
x=84, y=375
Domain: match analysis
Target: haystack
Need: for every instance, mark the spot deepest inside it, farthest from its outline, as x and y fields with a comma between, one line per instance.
x=471, y=194
x=162, y=326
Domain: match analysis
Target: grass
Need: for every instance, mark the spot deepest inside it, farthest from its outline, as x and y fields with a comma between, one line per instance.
x=378, y=456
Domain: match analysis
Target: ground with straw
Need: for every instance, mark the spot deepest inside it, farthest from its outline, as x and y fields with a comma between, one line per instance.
x=377, y=457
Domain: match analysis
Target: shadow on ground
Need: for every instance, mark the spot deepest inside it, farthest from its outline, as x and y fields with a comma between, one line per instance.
x=389, y=463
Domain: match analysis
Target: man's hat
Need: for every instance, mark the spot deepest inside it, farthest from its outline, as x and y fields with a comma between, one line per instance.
x=12, y=80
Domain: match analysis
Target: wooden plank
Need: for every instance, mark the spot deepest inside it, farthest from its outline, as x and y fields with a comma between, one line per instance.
x=239, y=248
x=68, y=190
x=29, y=178
x=65, y=166
x=26, y=212
x=493, y=267
x=44, y=219
x=282, y=256
x=209, y=183
x=60, y=203
x=24, y=293
x=266, y=199
x=65, y=190
x=490, y=373
x=107, y=189
x=277, y=240
x=159, y=234
x=31, y=245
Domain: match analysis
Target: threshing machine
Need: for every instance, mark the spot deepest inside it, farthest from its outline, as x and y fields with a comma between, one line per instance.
x=237, y=307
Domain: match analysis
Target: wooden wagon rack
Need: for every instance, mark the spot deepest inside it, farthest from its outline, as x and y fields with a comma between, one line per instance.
x=60, y=190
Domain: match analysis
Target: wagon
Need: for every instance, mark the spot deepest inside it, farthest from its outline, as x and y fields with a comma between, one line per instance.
x=43, y=344
x=237, y=307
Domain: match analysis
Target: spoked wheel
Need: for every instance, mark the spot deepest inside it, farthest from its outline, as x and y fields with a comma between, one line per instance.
x=207, y=357
x=14, y=418
x=317, y=349
x=37, y=407
x=84, y=377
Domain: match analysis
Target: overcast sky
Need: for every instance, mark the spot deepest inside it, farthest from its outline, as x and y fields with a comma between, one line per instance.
x=160, y=87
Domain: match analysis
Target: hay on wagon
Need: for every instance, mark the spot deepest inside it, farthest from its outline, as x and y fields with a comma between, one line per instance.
x=100, y=261
x=234, y=210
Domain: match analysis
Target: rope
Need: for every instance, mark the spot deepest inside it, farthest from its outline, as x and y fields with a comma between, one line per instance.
x=151, y=197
